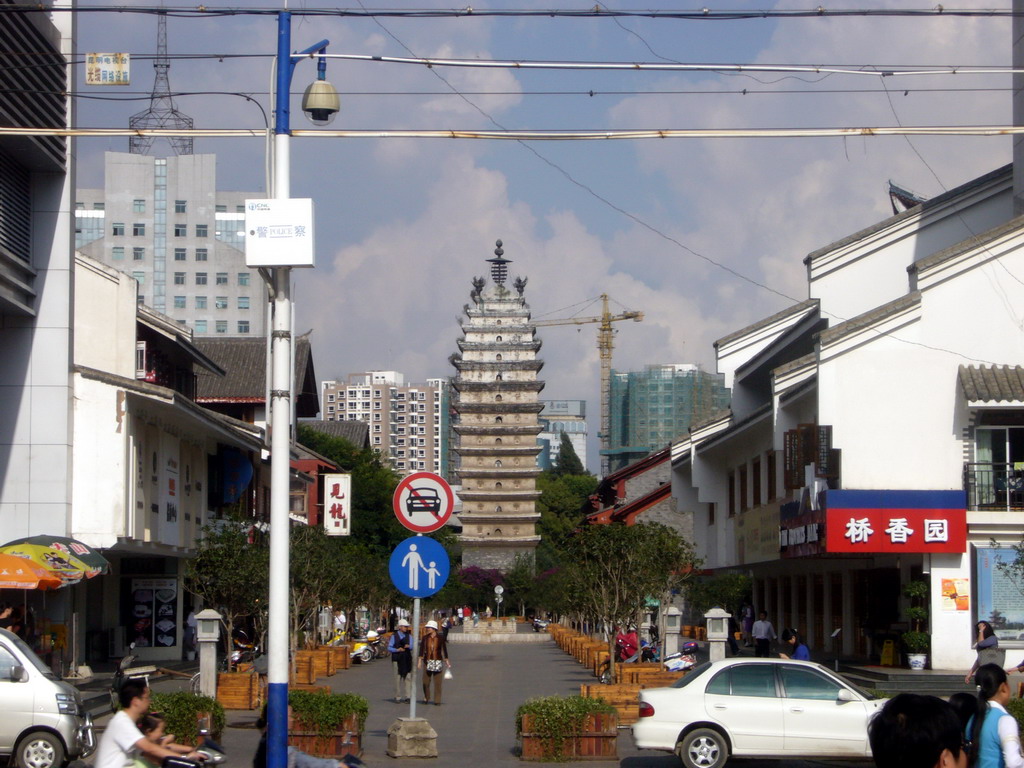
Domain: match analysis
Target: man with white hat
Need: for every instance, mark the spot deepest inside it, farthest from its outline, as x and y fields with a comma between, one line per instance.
x=433, y=660
x=400, y=647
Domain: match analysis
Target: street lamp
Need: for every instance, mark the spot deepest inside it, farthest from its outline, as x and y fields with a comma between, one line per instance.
x=321, y=108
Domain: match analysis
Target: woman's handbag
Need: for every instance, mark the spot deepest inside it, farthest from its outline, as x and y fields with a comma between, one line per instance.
x=434, y=665
x=448, y=674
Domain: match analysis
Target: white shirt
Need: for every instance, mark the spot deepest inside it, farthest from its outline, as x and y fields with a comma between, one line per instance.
x=1009, y=738
x=117, y=745
x=763, y=630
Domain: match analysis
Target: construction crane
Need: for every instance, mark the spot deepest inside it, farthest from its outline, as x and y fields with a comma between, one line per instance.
x=605, y=343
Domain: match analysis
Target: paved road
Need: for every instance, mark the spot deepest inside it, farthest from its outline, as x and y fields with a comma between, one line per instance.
x=476, y=723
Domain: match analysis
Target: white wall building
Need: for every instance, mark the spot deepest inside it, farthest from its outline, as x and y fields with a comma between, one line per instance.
x=894, y=396
x=558, y=417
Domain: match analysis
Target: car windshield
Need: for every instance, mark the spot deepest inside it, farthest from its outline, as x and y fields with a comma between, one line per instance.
x=692, y=675
x=29, y=654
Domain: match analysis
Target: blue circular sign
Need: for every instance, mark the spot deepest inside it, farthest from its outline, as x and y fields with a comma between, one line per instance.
x=419, y=567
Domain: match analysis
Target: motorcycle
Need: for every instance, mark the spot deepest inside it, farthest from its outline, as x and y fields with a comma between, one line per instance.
x=684, y=659
x=539, y=625
x=365, y=649
x=649, y=651
x=211, y=752
x=124, y=672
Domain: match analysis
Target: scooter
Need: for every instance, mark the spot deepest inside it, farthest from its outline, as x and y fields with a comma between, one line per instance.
x=649, y=651
x=539, y=625
x=124, y=672
x=364, y=649
x=685, y=659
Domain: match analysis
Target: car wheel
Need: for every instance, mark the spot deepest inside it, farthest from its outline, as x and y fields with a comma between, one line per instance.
x=366, y=655
x=703, y=748
x=40, y=750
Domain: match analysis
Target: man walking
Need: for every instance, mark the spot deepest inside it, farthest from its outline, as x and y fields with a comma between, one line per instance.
x=763, y=633
x=401, y=660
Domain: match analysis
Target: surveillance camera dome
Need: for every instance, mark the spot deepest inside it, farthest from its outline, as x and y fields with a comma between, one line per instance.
x=320, y=102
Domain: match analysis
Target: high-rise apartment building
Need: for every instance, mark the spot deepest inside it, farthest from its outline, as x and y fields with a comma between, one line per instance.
x=558, y=417
x=408, y=423
x=163, y=221
x=649, y=409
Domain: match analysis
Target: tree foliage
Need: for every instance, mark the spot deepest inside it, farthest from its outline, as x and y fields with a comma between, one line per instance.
x=562, y=499
x=727, y=590
x=567, y=462
x=230, y=573
x=616, y=567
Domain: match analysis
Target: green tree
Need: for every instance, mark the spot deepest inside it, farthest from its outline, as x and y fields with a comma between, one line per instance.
x=616, y=567
x=230, y=573
x=727, y=590
x=567, y=463
x=519, y=584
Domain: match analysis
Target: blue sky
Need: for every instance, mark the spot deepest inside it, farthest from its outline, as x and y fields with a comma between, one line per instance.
x=404, y=224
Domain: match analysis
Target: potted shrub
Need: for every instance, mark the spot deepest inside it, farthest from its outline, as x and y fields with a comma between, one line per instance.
x=182, y=711
x=327, y=724
x=916, y=642
x=561, y=728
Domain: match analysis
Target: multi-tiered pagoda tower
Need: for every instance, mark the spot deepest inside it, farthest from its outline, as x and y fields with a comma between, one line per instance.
x=495, y=395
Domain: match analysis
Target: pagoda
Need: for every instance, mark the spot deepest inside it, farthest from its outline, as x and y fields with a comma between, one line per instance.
x=495, y=393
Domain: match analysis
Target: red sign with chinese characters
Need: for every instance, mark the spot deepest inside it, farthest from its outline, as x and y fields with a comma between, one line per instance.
x=338, y=505
x=896, y=521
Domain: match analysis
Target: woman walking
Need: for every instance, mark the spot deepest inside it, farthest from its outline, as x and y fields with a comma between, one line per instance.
x=987, y=645
x=992, y=732
x=433, y=661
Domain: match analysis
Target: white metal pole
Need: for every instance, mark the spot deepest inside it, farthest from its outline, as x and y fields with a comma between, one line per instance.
x=415, y=654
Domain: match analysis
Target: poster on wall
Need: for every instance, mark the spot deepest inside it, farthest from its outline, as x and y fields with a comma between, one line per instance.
x=170, y=498
x=956, y=594
x=999, y=599
x=152, y=613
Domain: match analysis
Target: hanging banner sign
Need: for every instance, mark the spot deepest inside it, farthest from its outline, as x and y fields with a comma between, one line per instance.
x=896, y=521
x=338, y=505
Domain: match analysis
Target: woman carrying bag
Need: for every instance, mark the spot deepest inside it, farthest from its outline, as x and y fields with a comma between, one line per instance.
x=434, y=662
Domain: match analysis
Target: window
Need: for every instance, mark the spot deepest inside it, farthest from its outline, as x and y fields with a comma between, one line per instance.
x=220, y=209
x=139, y=229
x=222, y=278
x=807, y=684
x=240, y=208
x=117, y=253
x=180, y=230
x=180, y=206
x=755, y=472
x=99, y=206
x=243, y=302
x=7, y=663
x=179, y=278
x=772, y=490
x=200, y=302
x=732, y=493
x=200, y=278
x=202, y=230
x=138, y=254
x=140, y=277
x=221, y=302
x=743, y=488
x=138, y=206
x=222, y=326
x=243, y=278
x=201, y=254
x=711, y=513
x=179, y=302
x=79, y=206
x=200, y=326
x=117, y=228
x=179, y=254
x=243, y=327
x=748, y=680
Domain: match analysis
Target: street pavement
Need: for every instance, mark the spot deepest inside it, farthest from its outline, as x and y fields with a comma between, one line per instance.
x=475, y=724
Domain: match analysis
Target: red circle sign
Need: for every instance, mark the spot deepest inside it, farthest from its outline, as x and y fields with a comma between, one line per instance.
x=423, y=502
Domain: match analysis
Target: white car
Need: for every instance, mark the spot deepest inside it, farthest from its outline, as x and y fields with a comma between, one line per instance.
x=769, y=708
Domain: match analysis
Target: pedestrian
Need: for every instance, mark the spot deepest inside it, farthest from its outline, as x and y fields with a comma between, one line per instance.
x=433, y=661
x=446, y=624
x=987, y=645
x=747, y=616
x=993, y=733
x=122, y=741
x=797, y=648
x=400, y=647
x=763, y=633
x=915, y=731
x=734, y=630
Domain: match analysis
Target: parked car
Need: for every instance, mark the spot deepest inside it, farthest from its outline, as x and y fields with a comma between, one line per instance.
x=44, y=723
x=768, y=708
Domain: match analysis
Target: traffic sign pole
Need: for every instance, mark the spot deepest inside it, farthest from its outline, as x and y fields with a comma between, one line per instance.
x=415, y=655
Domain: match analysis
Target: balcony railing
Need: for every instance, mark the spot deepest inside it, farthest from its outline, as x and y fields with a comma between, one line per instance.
x=994, y=486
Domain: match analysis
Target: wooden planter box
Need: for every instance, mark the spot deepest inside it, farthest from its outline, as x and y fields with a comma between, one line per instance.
x=597, y=742
x=238, y=690
x=340, y=656
x=323, y=664
x=302, y=669
x=625, y=697
x=346, y=741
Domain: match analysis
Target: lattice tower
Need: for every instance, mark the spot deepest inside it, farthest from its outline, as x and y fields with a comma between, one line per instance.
x=161, y=113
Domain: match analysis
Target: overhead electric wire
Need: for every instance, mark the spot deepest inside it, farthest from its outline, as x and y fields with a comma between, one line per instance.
x=596, y=11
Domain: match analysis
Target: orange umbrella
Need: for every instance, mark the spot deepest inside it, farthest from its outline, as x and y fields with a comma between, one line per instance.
x=19, y=573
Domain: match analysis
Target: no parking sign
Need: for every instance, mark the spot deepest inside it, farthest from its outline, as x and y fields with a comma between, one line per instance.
x=423, y=502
